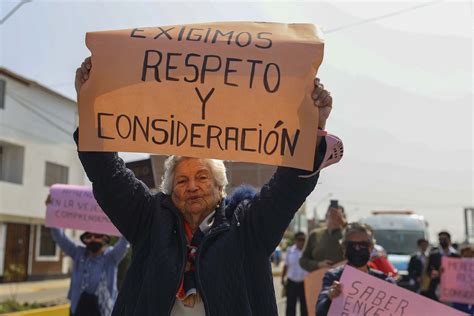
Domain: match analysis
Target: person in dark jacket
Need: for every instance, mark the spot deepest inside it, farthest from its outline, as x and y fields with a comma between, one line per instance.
x=434, y=262
x=357, y=244
x=417, y=267
x=193, y=252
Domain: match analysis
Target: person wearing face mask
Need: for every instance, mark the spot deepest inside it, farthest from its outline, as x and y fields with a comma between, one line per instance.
x=93, y=288
x=323, y=249
x=434, y=262
x=357, y=244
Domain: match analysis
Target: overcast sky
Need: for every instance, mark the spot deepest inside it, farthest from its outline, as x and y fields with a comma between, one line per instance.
x=400, y=73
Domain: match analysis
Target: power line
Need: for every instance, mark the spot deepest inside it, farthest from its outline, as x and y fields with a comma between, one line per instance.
x=29, y=133
x=41, y=116
x=380, y=17
x=403, y=205
x=9, y=14
x=59, y=84
x=42, y=110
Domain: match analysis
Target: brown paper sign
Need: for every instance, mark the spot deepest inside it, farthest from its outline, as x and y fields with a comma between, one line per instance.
x=313, y=284
x=233, y=91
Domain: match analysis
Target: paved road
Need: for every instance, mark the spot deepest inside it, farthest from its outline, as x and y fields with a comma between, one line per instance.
x=39, y=292
x=281, y=302
x=56, y=291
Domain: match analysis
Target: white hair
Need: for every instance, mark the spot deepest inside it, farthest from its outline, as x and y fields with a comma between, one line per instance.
x=216, y=166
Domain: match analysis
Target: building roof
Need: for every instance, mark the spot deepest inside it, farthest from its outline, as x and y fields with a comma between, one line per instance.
x=28, y=82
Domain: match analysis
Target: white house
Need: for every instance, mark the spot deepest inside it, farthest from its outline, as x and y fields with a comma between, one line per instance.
x=36, y=150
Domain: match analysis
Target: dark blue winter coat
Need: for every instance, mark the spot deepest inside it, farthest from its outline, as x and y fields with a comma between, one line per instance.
x=232, y=268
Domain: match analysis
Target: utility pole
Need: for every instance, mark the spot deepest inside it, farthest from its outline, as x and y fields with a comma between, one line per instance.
x=469, y=224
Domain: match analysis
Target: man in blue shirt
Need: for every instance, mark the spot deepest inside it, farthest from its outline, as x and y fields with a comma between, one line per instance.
x=93, y=288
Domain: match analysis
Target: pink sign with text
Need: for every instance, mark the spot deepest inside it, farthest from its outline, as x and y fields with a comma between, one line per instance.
x=74, y=206
x=364, y=294
x=457, y=280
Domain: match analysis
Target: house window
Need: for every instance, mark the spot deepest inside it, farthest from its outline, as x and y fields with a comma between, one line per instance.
x=11, y=162
x=46, y=249
x=3, y=85
x=55, y=174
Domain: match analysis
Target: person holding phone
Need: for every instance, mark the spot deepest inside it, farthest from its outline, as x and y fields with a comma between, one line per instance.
x=322, y=248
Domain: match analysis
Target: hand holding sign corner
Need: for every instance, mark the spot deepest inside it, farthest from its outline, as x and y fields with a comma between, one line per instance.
x=323, y=100
x=82, y=74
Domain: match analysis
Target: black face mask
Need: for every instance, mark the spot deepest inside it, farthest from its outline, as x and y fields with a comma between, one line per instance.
x=444, y=243
x=94, y=246
x=356, y=255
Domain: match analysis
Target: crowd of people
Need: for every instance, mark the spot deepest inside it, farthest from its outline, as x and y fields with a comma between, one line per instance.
x=339, y=243
x=197, y=251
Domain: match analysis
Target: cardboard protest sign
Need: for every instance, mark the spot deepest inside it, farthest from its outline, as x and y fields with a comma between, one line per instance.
x=364, y=294
x=457, y=280
x=313, y=283
x=233, y=91
x=75, y=207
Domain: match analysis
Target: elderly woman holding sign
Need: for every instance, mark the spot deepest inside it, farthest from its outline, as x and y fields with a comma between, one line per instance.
x=196, y=252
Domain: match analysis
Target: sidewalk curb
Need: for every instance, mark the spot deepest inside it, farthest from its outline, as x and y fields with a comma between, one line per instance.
x=60, y=310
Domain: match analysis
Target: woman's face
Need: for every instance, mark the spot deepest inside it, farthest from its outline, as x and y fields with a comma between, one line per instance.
x=194, y=189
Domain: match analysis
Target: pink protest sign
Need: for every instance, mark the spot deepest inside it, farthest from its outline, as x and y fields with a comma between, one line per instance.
x=363, y=294
x=74, y=206
x=457, y=280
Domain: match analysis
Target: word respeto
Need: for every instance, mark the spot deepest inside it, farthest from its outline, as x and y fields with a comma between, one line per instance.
x=164, y=66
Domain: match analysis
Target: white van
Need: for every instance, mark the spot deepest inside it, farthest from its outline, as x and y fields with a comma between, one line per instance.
x=398, y=232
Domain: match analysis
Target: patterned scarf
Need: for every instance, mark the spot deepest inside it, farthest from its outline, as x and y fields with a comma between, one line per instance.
x=187, y=292
x=105, y=299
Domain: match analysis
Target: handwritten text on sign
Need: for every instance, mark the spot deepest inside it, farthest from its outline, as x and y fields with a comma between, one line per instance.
x=238, y=91
x=366, y=295
x=457, y=280
x=75, y=207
